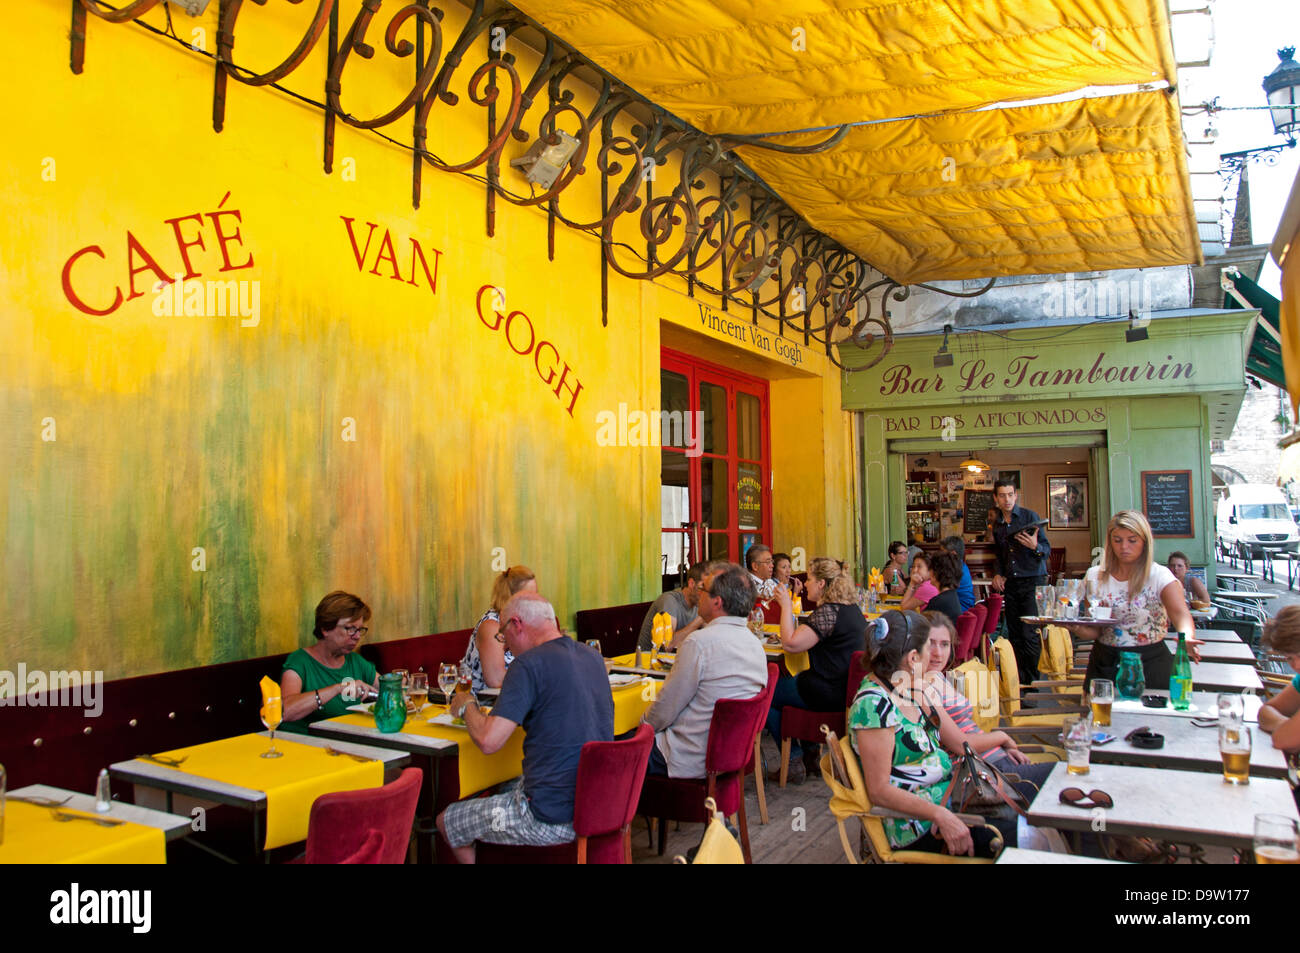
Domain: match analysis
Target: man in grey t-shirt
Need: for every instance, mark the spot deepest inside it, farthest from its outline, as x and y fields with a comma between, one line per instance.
x=682, y=604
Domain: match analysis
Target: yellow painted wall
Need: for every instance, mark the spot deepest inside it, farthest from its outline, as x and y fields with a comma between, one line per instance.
x=135, y=437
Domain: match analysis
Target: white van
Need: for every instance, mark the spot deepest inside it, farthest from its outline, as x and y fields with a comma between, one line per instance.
x=1256, y=515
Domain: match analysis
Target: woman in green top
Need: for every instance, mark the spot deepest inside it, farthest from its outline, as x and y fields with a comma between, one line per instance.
x=901, y=739
x=321, y=680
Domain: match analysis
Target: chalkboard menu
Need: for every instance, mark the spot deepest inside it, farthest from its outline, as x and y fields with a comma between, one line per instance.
x=976, y=517
x=1167, y=502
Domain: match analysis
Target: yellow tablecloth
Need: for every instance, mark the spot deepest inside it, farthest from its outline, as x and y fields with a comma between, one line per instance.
x=33, y=836
x=630, y=703
x=795, y=662
x=477, y=771
x=292, y=782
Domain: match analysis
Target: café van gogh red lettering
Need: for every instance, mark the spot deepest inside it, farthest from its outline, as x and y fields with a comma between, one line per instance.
x=521, y=337
x=1021, y=373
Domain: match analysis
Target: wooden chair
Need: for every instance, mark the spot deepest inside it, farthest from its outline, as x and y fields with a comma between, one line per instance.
x=1055, y=566
x=1045, y=721
x=849, y=800
x=606, y=792
x=735, y=725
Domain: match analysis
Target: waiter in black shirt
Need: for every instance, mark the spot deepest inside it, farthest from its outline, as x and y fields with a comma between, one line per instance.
x=1021, y=550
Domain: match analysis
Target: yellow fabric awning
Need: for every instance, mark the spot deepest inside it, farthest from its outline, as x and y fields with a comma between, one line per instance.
x=1290, y=323
x=743, y=66
x=936, y=186
x=1090, y=184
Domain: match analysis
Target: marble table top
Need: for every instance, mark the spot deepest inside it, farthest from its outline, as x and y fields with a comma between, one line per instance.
x=1189, y=807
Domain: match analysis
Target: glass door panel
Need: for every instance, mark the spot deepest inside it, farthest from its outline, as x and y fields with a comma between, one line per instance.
x=718, y=484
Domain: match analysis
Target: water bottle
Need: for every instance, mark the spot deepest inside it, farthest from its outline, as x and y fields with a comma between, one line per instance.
x=103, y=798
x=1180, y=682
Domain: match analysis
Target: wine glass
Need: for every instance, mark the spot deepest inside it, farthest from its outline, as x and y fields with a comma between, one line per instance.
x=270, y=714
x=448, y=672
x=419, y=690
x=756, y=621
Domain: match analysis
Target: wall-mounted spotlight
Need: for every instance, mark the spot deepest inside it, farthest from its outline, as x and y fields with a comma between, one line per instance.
x=544, y=160
x=1137, y=328
x=943, y=358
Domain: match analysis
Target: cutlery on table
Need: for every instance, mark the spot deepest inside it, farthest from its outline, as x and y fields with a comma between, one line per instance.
x=101, y=821
x=346, y=754
x=165, y=762
x=39, y=800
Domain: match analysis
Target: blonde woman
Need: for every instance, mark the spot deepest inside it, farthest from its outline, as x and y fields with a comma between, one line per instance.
x=487, y=658
x=835, y=630
x=1146, y=603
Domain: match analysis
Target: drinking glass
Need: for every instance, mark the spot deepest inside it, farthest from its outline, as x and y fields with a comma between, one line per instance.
x=270, y=714
x=1232, y=709
x=595, y=644
x=1076, y=733
x=756, y=621
x=1040, y=599
x=1103, y=696
x=447, y=675
x=1277, y=839
x=1234, y=748
x=419, y=690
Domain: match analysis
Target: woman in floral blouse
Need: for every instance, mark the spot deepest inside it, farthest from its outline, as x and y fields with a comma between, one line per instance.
x=485, y=657
x=901, y=737
x=1144, y=599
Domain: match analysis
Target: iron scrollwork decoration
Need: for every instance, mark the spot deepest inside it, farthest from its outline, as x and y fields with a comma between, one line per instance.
x=771, y=261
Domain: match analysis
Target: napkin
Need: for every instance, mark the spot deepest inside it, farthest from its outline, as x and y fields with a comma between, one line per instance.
x=271, y=707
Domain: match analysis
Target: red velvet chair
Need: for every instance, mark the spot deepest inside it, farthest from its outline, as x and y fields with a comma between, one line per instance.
x=370, y=826
x=968, y=635
x=859, y=668
x=610, y=776
x=991, y=622
x=732, y=732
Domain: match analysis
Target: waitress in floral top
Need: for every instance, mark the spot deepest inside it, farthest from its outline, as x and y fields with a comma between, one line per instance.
x=1144, y=598
x=900, y=737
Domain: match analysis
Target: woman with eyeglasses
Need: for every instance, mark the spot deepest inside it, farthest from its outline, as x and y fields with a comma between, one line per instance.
x=996, y=747
x=486, y=656
x=903, y=739
x=895, y=571
x=322, y=680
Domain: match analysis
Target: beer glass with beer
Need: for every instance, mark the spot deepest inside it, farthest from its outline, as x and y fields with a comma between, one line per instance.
x=1076, y=733
x=1277, y=839
x=1103, y=696
x=419, y=690
x=1234, y=747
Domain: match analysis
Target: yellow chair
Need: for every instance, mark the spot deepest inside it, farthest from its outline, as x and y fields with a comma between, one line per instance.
x=1057, y=661
x=981, y=690
x=842, y=774
x=1041, y=723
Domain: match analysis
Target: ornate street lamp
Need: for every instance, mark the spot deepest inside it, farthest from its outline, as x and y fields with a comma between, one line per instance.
x=1282, y=87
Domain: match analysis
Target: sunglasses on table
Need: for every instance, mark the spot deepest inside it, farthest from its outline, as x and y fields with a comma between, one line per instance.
x=1074, y=797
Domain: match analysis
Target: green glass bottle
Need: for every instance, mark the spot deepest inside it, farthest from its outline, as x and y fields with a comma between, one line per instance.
x=1180, y=683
